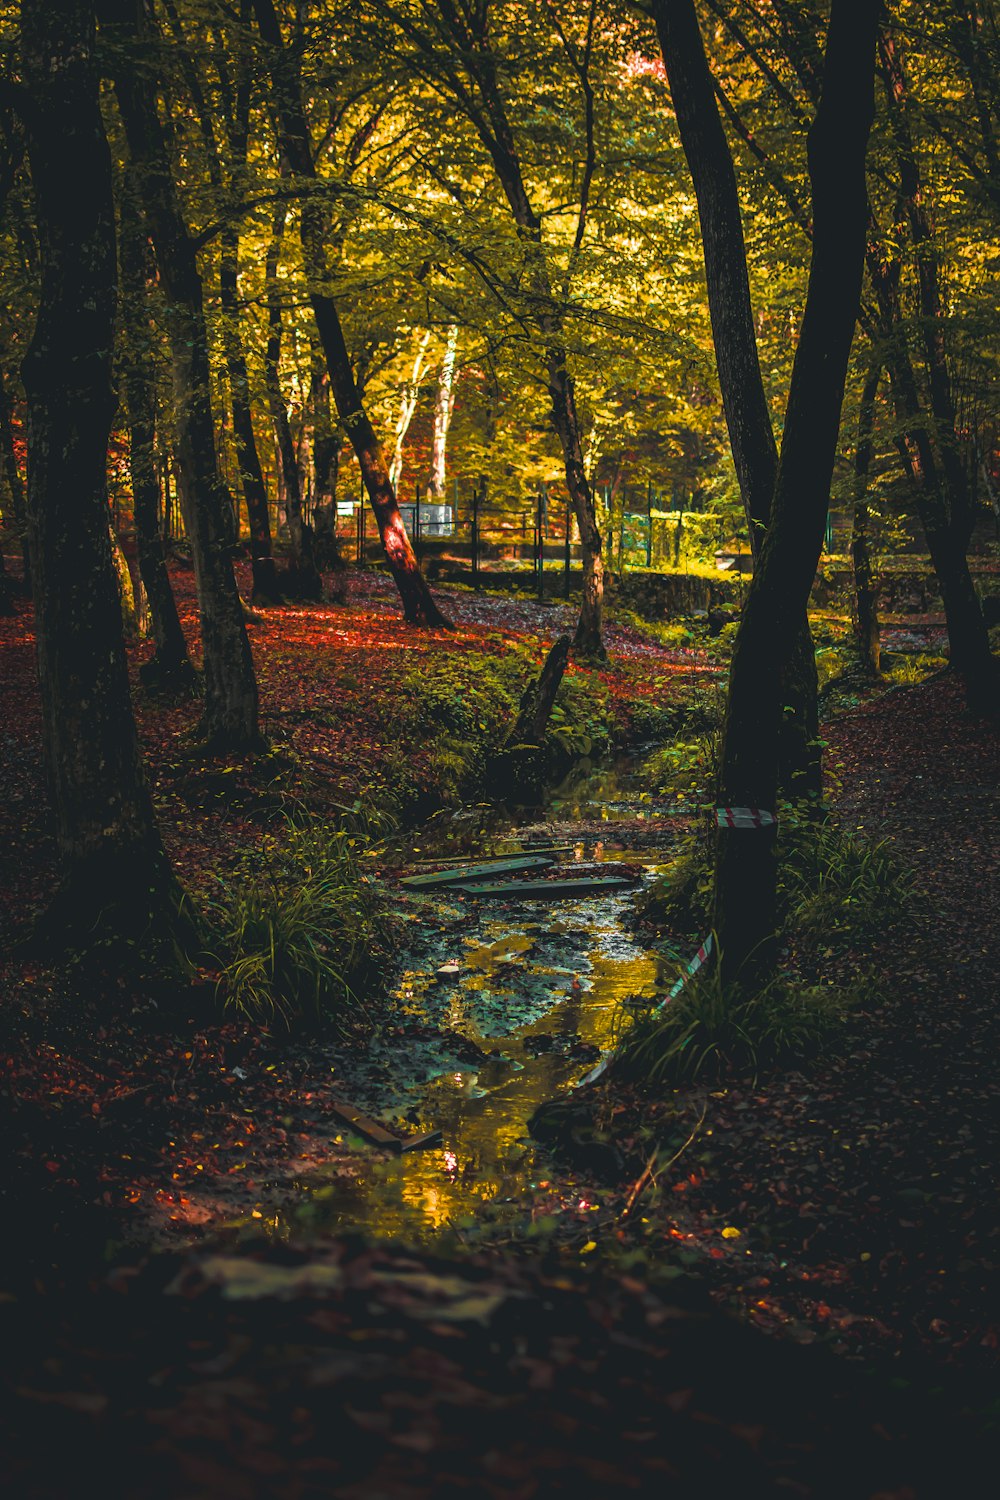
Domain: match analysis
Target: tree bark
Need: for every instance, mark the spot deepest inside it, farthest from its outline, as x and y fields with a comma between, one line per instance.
x=419, y=607
x=866, y=625
x=304, y=576
x=407, y=407
x=947, y=502
x=230, y=715
x=265, y=580
x=170, y=664
x=444, y=405
x=945, y=534
x=116, y=882
x=751, y=437
x=746, y=872
x=539, y=697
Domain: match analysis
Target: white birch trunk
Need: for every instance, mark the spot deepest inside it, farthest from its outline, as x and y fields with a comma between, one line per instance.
x=407, y=406
x=443, y=408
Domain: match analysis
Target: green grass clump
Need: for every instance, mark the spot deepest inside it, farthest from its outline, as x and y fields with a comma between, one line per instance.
x=298, y=927
x=906, y=670
x=833, y=883
x=708, y=1033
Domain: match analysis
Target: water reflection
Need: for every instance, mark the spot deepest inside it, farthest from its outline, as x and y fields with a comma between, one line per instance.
x=500, y=1007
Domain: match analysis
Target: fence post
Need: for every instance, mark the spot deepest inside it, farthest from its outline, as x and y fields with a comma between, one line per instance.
x=416, y=522
x=474, y=534
x=540, y=548
x=566, y=557
x=362, y=518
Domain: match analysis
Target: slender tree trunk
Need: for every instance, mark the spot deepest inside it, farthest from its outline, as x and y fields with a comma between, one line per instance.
x=126, y=588
x=15, y=485
x=230, y=715
x=751, y=437
x=947, y=507
x=419, y=607
x=444, y=405
x=746, y=871
x=170, y=664
x=115, y=878
x=407, y=407
x=303, y=574
x=968, y=637
x=588, y=641
x=265, y=581
x=866, y=626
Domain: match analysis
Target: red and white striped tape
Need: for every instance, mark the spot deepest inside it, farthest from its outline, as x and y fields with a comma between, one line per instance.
x=744, y=817
x=692, y=968
x=703, y=953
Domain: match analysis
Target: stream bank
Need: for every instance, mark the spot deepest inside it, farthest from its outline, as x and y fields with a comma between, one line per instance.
x=495, y=1007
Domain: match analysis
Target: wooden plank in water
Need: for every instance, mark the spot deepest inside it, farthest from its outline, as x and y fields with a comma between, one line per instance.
x=430, y=882
x=367, y=1128
x=552, y=890
x=494, y=859
x=379, y=1135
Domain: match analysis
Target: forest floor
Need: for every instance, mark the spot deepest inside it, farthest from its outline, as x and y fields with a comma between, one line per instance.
x=851, y=1208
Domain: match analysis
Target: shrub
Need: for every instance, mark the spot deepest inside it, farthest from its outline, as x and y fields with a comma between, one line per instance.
x=707, y=1033
x=832, y=884
x=298, y=926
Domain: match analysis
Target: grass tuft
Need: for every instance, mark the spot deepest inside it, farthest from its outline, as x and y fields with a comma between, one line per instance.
x=708, y=1033
x=299, y=926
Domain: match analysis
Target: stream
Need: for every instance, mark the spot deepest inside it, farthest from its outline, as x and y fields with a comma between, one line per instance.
x=496, y=1006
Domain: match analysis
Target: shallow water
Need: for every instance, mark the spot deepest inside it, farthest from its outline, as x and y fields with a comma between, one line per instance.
x=524, y=1006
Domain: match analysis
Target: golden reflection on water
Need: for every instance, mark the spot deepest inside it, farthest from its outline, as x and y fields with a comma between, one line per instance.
x=572, y=965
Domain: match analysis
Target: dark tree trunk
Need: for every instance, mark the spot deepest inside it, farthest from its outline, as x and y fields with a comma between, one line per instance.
x=419, y=607
x=866, y=627
x=230, y=716
x=751, y=437
x=947, y=507
x=710, y=162
x=265, y=580
x=588, y=642
x=945, y=533
x=326, y=473
x=540, y=696
x=170, y=664
x=304, y=575
x=116, y=880
x=746, y=873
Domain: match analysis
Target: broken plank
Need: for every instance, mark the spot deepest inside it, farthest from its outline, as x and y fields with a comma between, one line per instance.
x=554, y=890
x=429, y=882
x=419, y=1142
x=494, y=859
x=367, y=1128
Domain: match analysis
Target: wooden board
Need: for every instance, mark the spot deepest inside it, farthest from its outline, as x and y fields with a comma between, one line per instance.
x=378, y=1135
x=368, y=1129
x=552, y=890
x=469, y=872
x=493, y=859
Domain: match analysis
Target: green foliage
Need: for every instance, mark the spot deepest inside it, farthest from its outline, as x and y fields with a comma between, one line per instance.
x=707, y=1033
x=580, y=722
x=836, y=883
x=660, y=718
x=833, y=885
x=298, y=925
x=456, y=711
x=685, y=768
x=907, y=670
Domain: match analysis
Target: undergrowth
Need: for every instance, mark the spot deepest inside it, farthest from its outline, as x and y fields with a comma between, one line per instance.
x=299, y=926
x=709, y=1032
x=455, y=713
